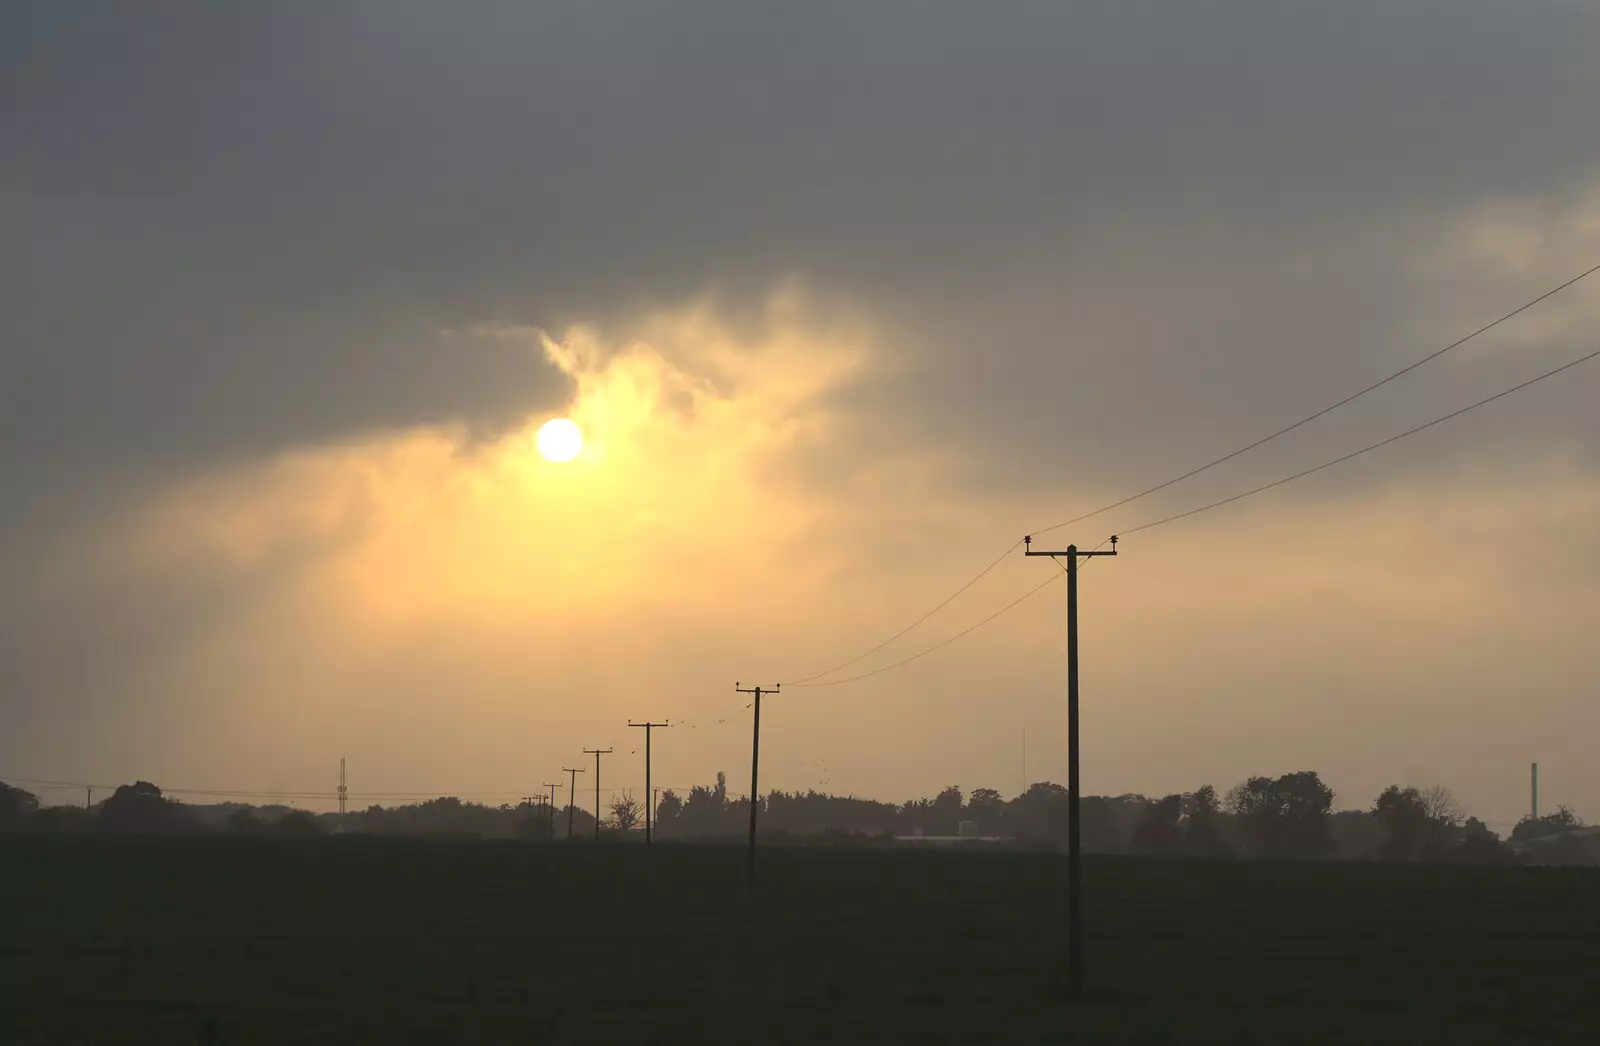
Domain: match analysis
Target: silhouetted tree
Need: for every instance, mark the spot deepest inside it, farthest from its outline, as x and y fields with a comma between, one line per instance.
x=1441, y=807
x=140, y=807
x=1408, y=828
x=16, y=806
x=625, y=811
x=707, y=812
x=296, y=822
x=668, y=811
x=62, y=819
x=1285, y=816
x=944, y=813
x=245, y=821
x=1040, y=813
x=1550, y=824
x=987, y=807
x=1480, y=848
x=1158, y=830
x=1202, y=827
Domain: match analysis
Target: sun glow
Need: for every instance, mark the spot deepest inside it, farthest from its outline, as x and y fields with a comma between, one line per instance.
x=560, y=440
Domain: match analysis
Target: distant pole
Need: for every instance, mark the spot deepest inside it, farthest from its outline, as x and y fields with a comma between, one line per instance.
x=1074, y=826
x=597, y=753
x=1535, y=772
x=755, y=766
x=343, y=791
x=552, y=806
x=649, y=798
x=88, y=797
x=572, y=793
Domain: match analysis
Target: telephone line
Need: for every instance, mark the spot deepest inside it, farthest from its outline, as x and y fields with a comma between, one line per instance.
x=1230, y=500
x=948, y=600
x=1328, y=409
x=939, y=645
x=809, y=680
x=1357, y=453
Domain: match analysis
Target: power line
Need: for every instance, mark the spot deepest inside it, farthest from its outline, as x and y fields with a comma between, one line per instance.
x=937, y=646
x=1325, y=410
x=689, y=722
x=948, y=600
x=809, y=680
x=1370, y=447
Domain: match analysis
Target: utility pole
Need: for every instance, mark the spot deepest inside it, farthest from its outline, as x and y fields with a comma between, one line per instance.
x=572, y=793
x=755, y=765
x=649, y=797
x=1534, y=769
x=1074, y=826
x=88, y=797
x=343, y=791
x=552, y=788
x=597, y=753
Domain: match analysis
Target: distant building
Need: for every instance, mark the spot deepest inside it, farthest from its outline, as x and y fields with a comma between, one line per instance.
x=967, y=829
x=1574, y=846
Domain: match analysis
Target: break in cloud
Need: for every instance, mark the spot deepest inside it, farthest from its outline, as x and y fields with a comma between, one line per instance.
x=846, y=300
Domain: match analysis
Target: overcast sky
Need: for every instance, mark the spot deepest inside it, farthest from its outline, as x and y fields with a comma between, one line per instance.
x=846, y=298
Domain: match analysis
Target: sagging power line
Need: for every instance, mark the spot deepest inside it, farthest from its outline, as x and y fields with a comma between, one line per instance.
x=1227, y=501
x=1357, y=453
x=1285, y=430
x=1524, y=307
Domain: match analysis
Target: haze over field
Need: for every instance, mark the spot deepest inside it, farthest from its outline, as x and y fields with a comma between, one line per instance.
x=845, y=299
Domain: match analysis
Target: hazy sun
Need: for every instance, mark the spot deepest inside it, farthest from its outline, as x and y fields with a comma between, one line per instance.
x=560, y=440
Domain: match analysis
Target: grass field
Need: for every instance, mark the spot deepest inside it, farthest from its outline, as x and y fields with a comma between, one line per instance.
x=217, y=939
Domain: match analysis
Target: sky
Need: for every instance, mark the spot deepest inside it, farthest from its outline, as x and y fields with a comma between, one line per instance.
x=846, y=299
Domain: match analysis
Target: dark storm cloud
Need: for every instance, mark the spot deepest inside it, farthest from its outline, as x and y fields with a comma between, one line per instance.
x=234, y=230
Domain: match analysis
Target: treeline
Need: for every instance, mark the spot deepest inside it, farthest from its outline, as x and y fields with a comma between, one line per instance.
x=1285, y=817
x=142, y=809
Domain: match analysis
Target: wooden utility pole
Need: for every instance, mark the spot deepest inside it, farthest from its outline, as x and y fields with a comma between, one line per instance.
x=649, y=797
x=1075, y=825
x=755, y=766
x=597, y=753
x=572, y=794
x=552, y=808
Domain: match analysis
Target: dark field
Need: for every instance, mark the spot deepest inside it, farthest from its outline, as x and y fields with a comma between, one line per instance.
x=376, y=941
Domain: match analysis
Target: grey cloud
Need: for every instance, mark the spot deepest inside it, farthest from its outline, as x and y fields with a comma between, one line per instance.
x=234, y=230
x=1134, y=229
